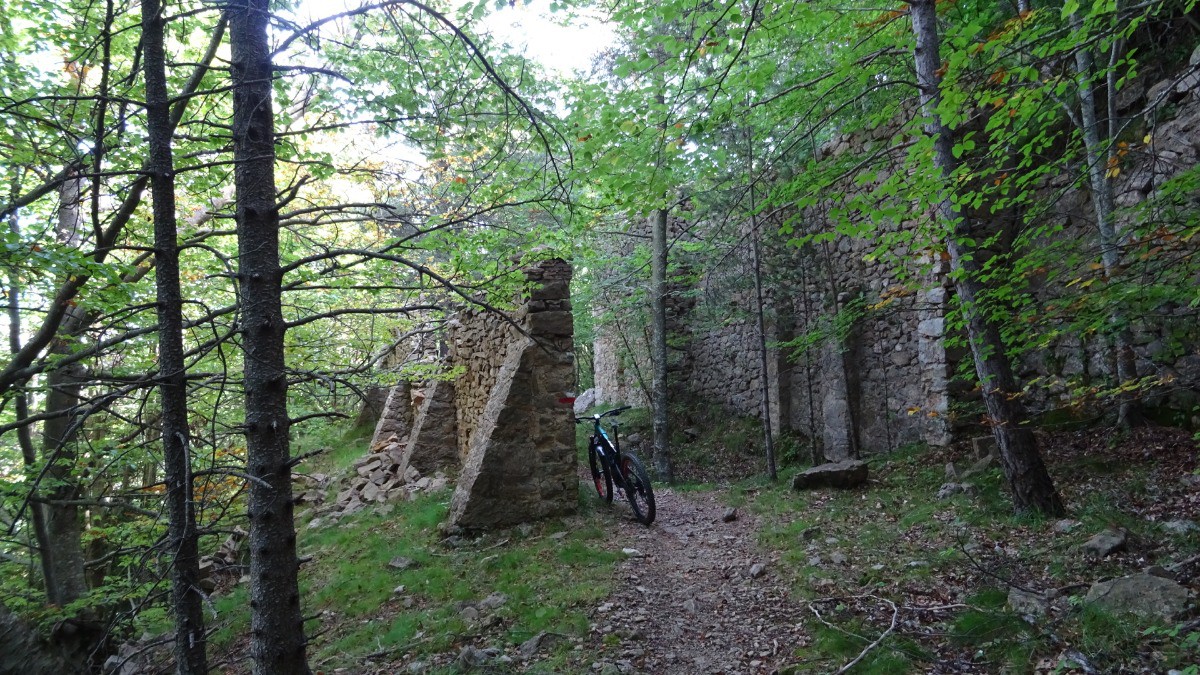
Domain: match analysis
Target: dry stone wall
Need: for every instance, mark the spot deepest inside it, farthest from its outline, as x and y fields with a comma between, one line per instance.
x=885, y=377
x=477, y=342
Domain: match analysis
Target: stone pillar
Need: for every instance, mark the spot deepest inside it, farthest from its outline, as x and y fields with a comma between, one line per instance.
x=521, y=461
x=433, y=443
x=839, y=364
x=936, y=369
x=836, y=411
x=374, y=399
x=397, y=414
x=779, y=368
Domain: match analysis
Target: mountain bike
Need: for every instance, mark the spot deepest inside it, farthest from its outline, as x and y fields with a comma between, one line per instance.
x=611, y=467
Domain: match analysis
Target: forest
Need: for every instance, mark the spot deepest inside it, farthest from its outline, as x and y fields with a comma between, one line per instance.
x=903, y=298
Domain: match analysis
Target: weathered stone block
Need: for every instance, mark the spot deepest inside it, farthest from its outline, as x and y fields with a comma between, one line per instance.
x=551, y=323
x=845, y=474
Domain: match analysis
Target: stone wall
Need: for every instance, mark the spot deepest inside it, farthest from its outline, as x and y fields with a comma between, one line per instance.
x=478, y=342
x=520, y=463
x=884, y=377
x=854, y=385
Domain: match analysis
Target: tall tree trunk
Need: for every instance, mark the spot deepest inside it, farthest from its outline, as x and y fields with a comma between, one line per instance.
x=277, y=643
x=658, y=347
x=1104, y=204
x=1027, y=477
x=66, y=581
x=186, y=597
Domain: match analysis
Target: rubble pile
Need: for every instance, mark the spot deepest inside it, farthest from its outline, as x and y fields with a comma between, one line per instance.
x=227, y=560
x=381, y=476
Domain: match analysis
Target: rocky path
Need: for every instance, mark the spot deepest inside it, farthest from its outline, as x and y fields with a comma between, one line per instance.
x=697, y=596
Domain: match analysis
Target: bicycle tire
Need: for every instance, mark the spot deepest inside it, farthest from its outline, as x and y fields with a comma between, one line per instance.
x=638, y=488
x=601, y=477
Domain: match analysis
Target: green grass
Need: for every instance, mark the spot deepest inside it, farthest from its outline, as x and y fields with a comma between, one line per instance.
x=549, y=583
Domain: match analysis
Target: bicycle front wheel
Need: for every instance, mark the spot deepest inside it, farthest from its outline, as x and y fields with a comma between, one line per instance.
x=601, y=478
x=638, y=488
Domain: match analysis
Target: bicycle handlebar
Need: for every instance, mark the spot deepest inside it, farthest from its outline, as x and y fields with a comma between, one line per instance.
x=607, y=413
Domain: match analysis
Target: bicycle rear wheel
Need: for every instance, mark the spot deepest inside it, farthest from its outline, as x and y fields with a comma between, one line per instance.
x=601, y=478
x=638, y=488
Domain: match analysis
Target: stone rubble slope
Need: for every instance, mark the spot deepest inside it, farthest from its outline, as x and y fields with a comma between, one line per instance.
x=378, y=477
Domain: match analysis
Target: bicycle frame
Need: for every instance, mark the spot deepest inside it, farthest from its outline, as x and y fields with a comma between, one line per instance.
x=611, y=460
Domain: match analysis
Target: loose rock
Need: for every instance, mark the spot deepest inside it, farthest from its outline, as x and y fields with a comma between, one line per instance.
x=1143, y=594
x=1105, y=543
x=844, y=474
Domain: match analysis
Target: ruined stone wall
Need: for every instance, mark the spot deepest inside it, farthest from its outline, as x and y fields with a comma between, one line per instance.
x=726, y=366
x=478, y=341
x=520, y=463
x=886, y=379
x=859, y=386
x=616, y=381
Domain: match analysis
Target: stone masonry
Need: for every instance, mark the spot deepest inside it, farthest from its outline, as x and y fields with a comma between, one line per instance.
x=520, y=464
x=433, y=443
x=886, y=377
x=397, y=416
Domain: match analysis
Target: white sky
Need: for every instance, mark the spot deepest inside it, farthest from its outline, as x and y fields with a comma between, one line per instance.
x=528, y=28
x=526, y=25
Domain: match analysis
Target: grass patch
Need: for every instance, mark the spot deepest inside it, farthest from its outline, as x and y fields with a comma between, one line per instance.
x=548, y=583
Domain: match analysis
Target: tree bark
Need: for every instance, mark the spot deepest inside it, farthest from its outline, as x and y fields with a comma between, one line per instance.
x=658, y=348
x=65, y=578
x=183, y=539
x=1104, y=204
x=277, y=643
x=1027, y=477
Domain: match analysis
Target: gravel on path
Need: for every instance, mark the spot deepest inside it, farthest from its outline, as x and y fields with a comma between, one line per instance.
x=695, y=595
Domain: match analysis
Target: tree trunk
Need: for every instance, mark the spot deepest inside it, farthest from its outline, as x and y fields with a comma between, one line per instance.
x=1104, y=204
x=277, y=643
x=1027, y=477
x=658, y=347
x=65, y=578
x=186, y=597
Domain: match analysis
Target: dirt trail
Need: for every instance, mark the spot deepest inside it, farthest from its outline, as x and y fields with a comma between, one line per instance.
x=701, y=597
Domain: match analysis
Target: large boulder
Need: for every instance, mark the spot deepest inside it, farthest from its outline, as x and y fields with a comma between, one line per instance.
x=1144, y=594
x=847, y=473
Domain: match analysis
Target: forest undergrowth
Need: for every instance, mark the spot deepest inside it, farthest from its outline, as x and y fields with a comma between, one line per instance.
x=885, y=577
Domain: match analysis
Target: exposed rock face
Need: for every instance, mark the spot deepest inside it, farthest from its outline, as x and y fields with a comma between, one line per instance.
x=521, y=460
x=433, y=443
x=397, y=417
x=845, y=474
x=1143, y=594
x=23, y=650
